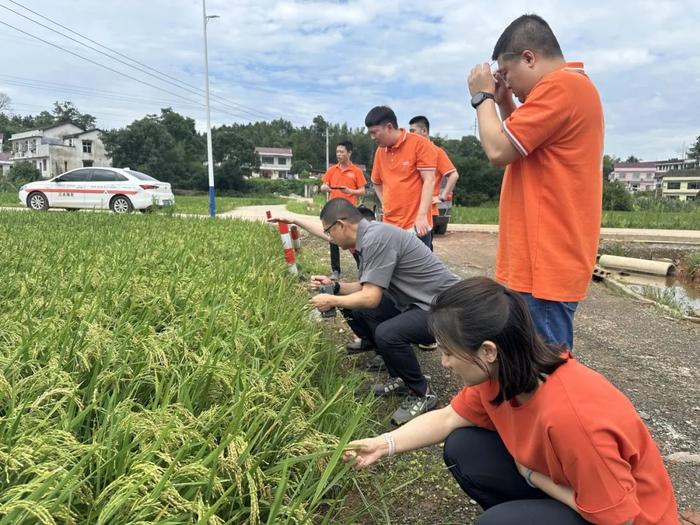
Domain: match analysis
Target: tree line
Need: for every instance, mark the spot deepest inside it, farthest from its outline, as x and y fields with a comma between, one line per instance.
x=169, y=147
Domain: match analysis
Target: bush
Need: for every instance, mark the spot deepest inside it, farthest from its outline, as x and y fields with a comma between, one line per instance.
x=21, y=173
x=260, y=186
x=616, y=197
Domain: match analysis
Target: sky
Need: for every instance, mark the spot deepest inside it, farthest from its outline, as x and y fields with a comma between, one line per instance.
x=298, y=59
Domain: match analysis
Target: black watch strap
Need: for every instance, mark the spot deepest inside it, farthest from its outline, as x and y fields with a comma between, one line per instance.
x=479, y=97
x=336, y=288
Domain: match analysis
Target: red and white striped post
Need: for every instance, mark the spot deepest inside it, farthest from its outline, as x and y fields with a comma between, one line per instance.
x=288, y=248
x=296, y=239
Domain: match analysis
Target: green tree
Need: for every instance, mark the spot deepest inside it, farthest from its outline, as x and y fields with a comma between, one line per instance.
x=67, y=112
x=616, y=197
x=148, y=145
x=234, y=158
x=21, y=173
x=632, y=158
x=609, y=162
x=694, y=151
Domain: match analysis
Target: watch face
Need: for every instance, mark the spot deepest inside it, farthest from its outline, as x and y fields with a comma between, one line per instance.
x=477, y=98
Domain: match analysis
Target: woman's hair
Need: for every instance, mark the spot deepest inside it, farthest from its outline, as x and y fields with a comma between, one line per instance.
x=479, y=309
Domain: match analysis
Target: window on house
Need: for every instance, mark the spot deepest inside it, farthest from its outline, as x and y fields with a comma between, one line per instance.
x=694, y=185
x=44, y=162
x=65, y=165
x=267, y=160
x=87, y=146
x=673, y=186
x=281, y=161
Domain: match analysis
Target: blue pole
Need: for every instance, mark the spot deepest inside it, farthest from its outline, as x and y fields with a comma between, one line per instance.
x=212, y=203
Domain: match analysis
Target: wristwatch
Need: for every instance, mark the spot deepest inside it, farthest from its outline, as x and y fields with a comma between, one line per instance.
x=479, y=97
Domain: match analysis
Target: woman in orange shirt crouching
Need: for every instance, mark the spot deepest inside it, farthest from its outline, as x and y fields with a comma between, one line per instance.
x=535, y=437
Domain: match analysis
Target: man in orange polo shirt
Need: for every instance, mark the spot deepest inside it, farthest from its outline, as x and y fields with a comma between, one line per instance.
x=446, y=175
x=345, y=181
x=403, y=173
x=552, y=145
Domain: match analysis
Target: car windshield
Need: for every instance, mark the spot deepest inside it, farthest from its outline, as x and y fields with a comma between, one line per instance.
x=141, y=176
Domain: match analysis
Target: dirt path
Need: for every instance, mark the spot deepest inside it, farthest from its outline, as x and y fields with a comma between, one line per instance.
x=650, y=357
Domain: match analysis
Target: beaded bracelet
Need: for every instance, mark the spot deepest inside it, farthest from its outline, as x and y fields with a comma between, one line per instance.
x=390, y=443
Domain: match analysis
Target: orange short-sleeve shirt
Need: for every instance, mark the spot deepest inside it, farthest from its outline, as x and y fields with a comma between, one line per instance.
x=444, y=168
x=551, y=198
x=350, y=177
x=583, y=433
x=398, y=169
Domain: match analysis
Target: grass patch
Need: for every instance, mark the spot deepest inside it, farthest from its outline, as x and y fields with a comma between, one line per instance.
x=199, y=204
x=9, y=198
x=159, y=370
x=305, y=208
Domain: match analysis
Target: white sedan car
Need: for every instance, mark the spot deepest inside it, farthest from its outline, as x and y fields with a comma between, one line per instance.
x=118, y=189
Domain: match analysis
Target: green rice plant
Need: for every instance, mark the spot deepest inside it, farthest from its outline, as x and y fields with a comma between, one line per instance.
x=199, y=204
x=155, y=369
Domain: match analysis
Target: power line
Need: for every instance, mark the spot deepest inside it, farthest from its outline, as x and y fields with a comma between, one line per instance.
x=112, y=69
x=144, y=67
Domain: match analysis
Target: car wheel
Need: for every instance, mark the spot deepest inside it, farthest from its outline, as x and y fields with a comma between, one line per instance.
x=121, y=204
x=37, y=201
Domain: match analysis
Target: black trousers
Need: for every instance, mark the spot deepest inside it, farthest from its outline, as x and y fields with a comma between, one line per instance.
x=335, y=258
x=392, y=332
x=481, y=464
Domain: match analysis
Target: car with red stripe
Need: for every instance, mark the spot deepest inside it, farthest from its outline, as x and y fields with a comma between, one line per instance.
x=121, y=190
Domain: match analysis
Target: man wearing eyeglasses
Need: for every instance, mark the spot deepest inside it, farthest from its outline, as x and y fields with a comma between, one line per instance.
x=552, y=145
x=388, y=306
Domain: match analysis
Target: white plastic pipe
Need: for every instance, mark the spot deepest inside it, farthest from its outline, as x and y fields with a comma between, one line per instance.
x=631, y=264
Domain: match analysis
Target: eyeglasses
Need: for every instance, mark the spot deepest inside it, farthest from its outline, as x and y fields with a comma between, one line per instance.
x=327, y=230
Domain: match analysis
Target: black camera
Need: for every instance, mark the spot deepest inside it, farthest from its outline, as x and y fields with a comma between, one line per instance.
x=329, y=289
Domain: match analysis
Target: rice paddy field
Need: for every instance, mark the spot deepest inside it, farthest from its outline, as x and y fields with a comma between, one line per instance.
x=155, y=369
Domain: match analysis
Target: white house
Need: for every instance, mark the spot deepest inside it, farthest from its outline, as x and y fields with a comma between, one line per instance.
x=60, y=148
x=5, y=163
x=275, y=163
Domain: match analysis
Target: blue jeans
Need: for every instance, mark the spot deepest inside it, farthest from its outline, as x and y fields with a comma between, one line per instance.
x=554, y=320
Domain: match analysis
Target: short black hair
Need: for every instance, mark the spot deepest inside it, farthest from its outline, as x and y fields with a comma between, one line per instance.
x=380, y=115
x=528, y=32
x=346, y=144
x=340, y=209
x=421, y=121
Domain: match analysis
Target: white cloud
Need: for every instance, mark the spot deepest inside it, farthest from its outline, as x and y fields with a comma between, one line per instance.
x=298, y=59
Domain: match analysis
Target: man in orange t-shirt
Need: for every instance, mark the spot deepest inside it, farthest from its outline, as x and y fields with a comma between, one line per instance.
x=403, y=173
x=343, y=180
x=446, y=175
x=552, y=145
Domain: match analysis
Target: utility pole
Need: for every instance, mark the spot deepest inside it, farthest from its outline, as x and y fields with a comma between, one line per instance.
x=327, y=163
x=210, y=160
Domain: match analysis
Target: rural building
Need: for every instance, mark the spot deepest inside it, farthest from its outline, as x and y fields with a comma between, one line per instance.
x=682, y=185
x=275, y=163
x=60, y=148
x=5, y=162
x=636, y=176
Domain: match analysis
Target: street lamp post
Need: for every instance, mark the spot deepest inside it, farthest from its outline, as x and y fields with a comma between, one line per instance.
x=210, y=160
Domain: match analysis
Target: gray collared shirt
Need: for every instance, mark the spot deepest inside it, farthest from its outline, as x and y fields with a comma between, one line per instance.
x=401, y=264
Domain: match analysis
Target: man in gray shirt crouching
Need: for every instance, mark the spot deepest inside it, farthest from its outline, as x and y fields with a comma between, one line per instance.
x=399, y=276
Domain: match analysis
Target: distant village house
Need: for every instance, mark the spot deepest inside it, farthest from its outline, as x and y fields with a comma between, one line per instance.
x=60, y=148
x=275, y=163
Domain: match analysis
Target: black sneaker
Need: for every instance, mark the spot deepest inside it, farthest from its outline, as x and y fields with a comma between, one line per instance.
x=413, y=406
x=358, y=347
x=376, y=364
x=394, y=386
